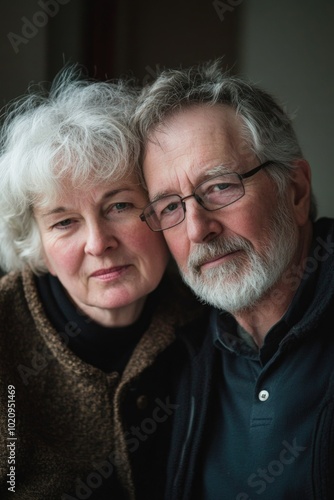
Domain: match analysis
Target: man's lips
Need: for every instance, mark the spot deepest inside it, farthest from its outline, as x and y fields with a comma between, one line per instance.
x=109, y=272
x=216, y=260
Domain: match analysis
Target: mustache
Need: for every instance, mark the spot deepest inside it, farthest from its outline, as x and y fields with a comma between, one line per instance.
x=215, y=249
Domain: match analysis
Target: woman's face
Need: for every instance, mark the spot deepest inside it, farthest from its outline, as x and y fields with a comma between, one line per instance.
x=106, y=258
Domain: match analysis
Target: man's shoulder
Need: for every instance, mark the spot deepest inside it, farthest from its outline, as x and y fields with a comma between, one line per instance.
x=195, y=334
x=324, y=226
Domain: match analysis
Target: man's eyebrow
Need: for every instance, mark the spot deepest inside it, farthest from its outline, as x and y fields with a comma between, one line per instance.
x=218, y=169
x=211, y=172
x=162, y=194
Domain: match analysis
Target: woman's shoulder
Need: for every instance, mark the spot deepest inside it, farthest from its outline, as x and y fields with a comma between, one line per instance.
x=12, y=315
x=10, y=283
x=16, y=288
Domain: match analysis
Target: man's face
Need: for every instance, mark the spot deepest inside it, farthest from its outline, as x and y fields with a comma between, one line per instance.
x=231, y=256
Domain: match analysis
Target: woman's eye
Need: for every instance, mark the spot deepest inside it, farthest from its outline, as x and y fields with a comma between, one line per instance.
x=120, y=207
x=63, y=223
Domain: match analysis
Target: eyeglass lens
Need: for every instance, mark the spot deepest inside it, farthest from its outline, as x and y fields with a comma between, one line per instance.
x=212, y=194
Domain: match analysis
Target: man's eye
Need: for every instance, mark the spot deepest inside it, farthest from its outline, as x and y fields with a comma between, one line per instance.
x=171, y=207
x=218, y=189
x=222, y=186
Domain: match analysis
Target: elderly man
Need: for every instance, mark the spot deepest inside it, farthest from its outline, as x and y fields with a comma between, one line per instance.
x=231, y=191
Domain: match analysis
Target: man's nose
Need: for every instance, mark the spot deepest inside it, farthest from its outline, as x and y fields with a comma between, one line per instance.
x=202, y=225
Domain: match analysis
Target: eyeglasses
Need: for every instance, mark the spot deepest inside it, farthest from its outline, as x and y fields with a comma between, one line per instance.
x=214, y=193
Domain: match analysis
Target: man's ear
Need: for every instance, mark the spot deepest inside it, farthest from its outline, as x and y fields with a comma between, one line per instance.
x=301, y=191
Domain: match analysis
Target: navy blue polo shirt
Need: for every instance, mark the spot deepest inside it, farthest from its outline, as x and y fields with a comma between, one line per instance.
x=263, y=410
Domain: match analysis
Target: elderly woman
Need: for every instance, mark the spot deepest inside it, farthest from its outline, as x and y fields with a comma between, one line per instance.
x=88, y=313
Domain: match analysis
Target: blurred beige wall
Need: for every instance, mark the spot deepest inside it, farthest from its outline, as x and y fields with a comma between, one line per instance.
x=287, y=47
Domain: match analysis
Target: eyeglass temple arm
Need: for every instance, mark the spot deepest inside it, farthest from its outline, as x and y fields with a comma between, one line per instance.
x=255, y=170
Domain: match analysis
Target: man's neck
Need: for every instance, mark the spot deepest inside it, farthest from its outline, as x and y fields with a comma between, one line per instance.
x=259, y=319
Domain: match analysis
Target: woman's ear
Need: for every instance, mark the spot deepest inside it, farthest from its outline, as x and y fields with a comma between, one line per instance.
x=301, y=191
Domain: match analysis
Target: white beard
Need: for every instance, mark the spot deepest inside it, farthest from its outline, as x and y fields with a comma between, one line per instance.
x=241, y=282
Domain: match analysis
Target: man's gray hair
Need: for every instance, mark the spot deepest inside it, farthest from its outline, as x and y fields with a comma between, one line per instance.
x=77, y=131
x=267, y=128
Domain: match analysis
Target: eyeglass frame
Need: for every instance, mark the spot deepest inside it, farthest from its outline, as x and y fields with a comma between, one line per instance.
x=246, y=175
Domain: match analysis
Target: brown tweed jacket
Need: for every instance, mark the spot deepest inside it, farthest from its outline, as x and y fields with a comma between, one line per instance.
x=65, y=426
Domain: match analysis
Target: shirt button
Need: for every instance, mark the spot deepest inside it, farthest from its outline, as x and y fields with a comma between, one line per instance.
x=142, y=402
x=263, y=395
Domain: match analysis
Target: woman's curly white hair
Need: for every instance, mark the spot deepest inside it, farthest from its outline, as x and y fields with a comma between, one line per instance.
x=78, y=130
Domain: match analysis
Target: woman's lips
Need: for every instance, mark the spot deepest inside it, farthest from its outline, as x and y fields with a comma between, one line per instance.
x=109, y=273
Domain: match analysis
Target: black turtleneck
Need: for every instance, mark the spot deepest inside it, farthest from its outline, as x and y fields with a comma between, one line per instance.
x=107, y=348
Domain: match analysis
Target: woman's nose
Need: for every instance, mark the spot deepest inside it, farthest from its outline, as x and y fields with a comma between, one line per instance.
x=99, y=239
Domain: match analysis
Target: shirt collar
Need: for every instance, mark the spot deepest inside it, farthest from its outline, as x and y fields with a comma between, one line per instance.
x=227, y=334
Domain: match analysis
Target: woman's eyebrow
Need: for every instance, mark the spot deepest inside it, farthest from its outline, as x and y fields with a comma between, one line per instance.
x=53, y=211
x=62, y=209
x=114, y=192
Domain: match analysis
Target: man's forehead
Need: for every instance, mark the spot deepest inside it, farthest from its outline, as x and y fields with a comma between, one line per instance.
x=192, y=145
x=194, y=121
